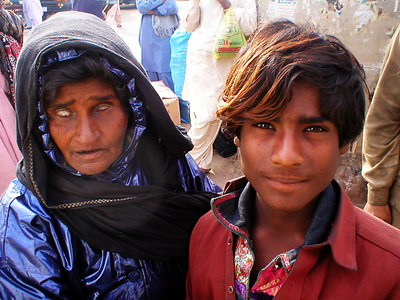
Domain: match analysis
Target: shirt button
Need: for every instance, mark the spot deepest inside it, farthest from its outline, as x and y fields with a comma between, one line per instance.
x=229, y=241
x=230, y=289
x=276, y=266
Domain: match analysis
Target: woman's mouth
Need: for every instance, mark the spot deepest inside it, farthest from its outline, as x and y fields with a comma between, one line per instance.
x=89, y=154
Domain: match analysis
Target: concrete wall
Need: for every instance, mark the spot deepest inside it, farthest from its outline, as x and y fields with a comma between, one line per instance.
x=365, y=27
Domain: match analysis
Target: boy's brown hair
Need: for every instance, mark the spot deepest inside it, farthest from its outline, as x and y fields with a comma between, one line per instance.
x=259, y=85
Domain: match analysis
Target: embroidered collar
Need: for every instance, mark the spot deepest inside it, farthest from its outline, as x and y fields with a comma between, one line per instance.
x=234, y=211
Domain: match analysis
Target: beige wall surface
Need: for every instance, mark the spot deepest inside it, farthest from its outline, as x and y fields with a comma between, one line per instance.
x=365, y=27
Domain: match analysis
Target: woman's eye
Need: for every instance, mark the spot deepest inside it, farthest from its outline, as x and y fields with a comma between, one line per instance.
x=63, y=113
x=103, y=107
x=263, y=125
x=316, y=129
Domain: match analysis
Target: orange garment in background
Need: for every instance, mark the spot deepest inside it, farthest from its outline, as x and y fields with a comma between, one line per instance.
x=9, y=152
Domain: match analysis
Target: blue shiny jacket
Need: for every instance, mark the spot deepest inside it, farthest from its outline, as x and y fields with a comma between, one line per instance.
x=41, y=259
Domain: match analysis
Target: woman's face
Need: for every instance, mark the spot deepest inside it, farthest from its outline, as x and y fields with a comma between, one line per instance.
x=88, y=124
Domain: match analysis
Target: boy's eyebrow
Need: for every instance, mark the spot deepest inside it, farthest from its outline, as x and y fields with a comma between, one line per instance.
x=306, y=120
x=313, y=119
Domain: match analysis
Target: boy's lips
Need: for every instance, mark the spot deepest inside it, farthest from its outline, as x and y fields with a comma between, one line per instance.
x=286, y=180
x=286, y=184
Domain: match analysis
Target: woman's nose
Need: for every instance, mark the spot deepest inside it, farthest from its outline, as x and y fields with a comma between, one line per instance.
x=87, y=130
x=287, y=150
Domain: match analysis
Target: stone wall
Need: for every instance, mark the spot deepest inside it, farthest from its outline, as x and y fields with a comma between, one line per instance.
x=365, y=27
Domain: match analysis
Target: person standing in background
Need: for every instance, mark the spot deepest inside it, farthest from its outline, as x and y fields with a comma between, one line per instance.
x=112, y=13
x=11, y=33
x=381, y=146
x=159, y=21
x=94, y=7
x=33, y=12
x=205, y=75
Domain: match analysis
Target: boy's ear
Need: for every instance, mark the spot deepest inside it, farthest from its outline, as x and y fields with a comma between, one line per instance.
x=236, y=141
x=344, y=148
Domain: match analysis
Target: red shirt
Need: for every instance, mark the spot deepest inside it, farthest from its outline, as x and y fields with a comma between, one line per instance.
x=359, y=260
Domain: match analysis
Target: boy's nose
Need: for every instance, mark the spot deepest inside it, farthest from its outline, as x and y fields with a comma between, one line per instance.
x=287, y=151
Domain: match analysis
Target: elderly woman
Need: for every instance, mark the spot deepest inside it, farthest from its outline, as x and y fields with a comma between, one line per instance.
x=105, y=197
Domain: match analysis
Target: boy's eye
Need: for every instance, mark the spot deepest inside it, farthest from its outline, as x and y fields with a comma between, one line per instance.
x=316, y=129
x=263, y=125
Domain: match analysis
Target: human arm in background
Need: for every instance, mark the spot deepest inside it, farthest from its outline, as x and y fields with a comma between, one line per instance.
x=105, y=10
x=225, y=3
x=157, y=7
x=381, y=139
x=245, y=12
x=380, y=211
x=148, y=6
x=168, y=8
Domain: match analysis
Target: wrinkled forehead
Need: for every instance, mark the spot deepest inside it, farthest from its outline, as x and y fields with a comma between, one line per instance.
x=68, y=54
x=54, y=57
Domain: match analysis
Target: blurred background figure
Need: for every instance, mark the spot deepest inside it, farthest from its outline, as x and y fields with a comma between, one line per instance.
x=381, y=145
x=112, y=13
x=11, y=30
x=159, y=21
x=179, y=42
x=205, y=75
x=33, y=12
x=94, y=7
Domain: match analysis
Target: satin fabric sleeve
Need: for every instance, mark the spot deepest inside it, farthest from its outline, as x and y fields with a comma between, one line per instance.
x=194, y=179
x=381, y=140
x=30, y=260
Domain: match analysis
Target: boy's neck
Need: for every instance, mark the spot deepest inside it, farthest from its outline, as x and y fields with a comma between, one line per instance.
x=282, y=221
x=274, y=232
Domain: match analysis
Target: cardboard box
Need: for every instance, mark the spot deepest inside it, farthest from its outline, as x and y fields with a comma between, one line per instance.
x=170, y=99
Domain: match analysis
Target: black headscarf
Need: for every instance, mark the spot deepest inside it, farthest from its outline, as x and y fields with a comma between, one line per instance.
x=150, y=222
x=11, y=24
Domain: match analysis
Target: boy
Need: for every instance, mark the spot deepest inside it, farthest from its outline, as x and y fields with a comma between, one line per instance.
x=295, y=100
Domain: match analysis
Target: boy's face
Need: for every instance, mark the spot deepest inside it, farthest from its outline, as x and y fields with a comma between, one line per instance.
x=290, y=160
